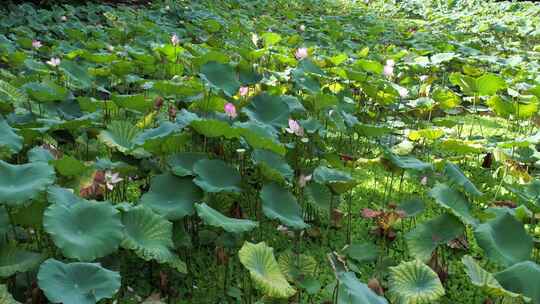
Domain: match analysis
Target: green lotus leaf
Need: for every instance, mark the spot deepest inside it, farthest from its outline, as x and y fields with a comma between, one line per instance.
x=213, y=218
x=260, y=136
x=423, y=239
x=412, y=207
x=85, y=230
x=486, y=280
x=21, y=183
x=414, y=283
x=456, y=176
x=150, y=236
x=454, y=201
x=62, y=196
x=5, y=296
x=442, y=57
x=529, y=193
x=9, y=140
x=295, y=266
x=406, y=162
x=214, y=128
x=119, y=135
x=221, y=76
x=522, y=278
x=319, y=195
x=69, y=166
x=274, y=167
x=216, y=176
x=504, y=240
x=337, y=180
x=30, y=216
x=150, y=136
x=446, y=98
x=372, y=130
x=489, y=84
x=77, y=283
x=14, y=260
x=181, y=164
x=4, y=221
x=363, y=252
x=278, y=203
x=137, y=102
x=351, y=290
x=270, y=39
x=172, y=196
x=264, y=270
x=370, y=66
x=78, y=76
x=39, y=154
x=268, y=109
x=47, y=91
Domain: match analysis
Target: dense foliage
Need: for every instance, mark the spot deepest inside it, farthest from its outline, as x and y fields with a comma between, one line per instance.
x=261, y=151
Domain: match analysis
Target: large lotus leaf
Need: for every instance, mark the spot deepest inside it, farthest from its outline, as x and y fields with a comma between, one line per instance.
x=454, y=201
x=150, y=236
x=5, y=296
x=504, y=240
x=264, y=270
x=273, y=166
x=62, y=196
x=423, y=239
x=136, y=102
x=319, y=195
x=120, y=135
x=269, y=110
x=489, y=84
x=406, y=162
x=455, y=175
x=221, y=76
x=522, y=278
x=77, y=283
x=85, y=230
x=151, y=136
x=363, y=252
x=337, y=180
x=69, y=166
x=352, y=291
x=295, y=266
x=216, y=176
x=47, y=91
x=181, y=164
x=529, y=193
x=413, y=206
x=372, y=130
x=78, y=75
x=278, y=203
x=414, y=283
x=486, y=280
x=214, y=128
x=14, y=260
x=212, y=217
x=260, y=136
x=21, y=183
x=9, y=140
x=172, y=196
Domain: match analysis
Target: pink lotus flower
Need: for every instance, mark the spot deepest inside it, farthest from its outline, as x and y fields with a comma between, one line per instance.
x=230, y=110
x=301, y=53
x=403, y=92
x=295, y=128
x=111, y=179
x=303, y=180
x=388, y=69
x=36, y=44
x=54, y=62
x=243, y=91
x=175, y=40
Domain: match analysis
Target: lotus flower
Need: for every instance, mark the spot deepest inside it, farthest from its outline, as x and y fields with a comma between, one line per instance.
x=243, y=91
x=295, y=128
x=303, y=180
x=423, y=78
x=370, y=213
x=254, y=39
x=301, y=53
x=175, y=40
x=36, y=44
x=111, y=179
x=54, y=62
x=388, y=69
x=230, y=110
x=302, y=28
x=403, y=92
x=63, y=18
x=423, y=181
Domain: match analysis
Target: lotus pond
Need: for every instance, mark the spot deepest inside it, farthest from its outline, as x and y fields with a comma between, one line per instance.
x=270, y=151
